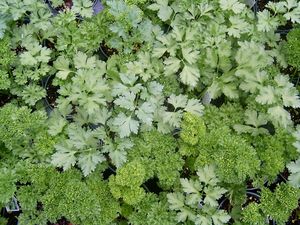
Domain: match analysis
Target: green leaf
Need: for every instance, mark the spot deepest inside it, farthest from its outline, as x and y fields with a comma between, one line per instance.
x=280, y=116
x=293, y=15
x=294, y=178
x=189, y=54
x=202, y=220
x=118, y=158
x=81, y=60
x=176, y=201
x=220, y=217
x=207, y=175
x=28, y=59
x=212, y=194
x=290, y=97
x=126, y=101
x=62, y=64
x=190, y=186
x=33, y=93
x=266, y=95
x=83, y=7
x=172, y=65
x=233, y=5
x=145, y=113
x=125, y=125
x=57, y=125
x=65, y=156
x=266, y=22
x=194, y=106
x=190, y=75
x=89, y=160
x=179, y=101
x=164, y=11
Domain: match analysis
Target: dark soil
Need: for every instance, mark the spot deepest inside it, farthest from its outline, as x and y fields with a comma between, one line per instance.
x=105, y=52
x=62, y=221
x=51, y=90
x=5, y=98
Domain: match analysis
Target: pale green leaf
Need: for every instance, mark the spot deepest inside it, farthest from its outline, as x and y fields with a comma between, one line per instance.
x=189, y=54
x=190, y=75
x=126, y=101
x=82, y=61
x=118, y=158
x=194, y=106
x=190, y=186
x=266, y=95
x=172, y=65
x=145, y=113
x=62, y=64
x=280, y=116
x=176, y=201
x=125, y=125
x=207, y=175
x=89, y=160
x=179, y=101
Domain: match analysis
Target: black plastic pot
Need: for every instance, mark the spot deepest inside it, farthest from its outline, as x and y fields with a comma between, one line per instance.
x=47, y=105
x=12, y=206
x=97, y=8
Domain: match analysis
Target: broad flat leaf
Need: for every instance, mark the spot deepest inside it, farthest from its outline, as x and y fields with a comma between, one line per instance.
x=88, y=161
x=185, y=214
x=190, y=186
x=290, y=97
x=172, y=65
x=176, y=201
x=119, y=89
x=202, y=220
x=293, y=15
x=230, y=90
x=57, y=126
x=233, y=5
x=158, y=50
x=289, y=4
x=27, y=59
x=81, y=60
x=266, y=95
x=173, y=118
x=83, y=7
x=155, y=88
x=65, y=156
x=207, y=175
x=128, y=78
x=126, y=101
x=44, y=55
x=220, y=217
x=212, y=194
x=118, y=158
x=189, y=54
x=102, y=116
x=62, y=64
x=164, y=11
x=280, y=116
x=190, y=75
x=266, y=22
x=214, y=90
x=254, y=118
x=145, y=113
x=294, y=178
x=179, y=101
x=194, y=106
x=125, y=125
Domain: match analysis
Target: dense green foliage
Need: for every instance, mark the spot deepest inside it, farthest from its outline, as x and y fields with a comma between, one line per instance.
x=159, y=112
